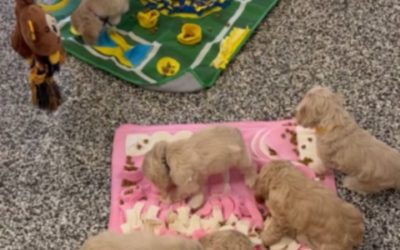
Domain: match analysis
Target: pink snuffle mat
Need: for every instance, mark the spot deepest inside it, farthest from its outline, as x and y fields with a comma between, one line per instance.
x=229, y=204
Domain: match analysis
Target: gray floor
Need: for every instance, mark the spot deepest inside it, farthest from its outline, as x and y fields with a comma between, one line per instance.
x=55, y=168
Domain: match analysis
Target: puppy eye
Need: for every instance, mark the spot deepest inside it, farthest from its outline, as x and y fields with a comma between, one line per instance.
x=54, y=29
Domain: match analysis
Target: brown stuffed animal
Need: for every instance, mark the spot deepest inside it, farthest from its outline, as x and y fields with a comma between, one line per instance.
x=37, y=38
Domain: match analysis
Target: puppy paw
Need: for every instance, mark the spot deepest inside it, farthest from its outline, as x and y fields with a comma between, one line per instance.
x=268, y=239
x=320, y=171
x=196, y=201
x=115, y=20
x=354, y=185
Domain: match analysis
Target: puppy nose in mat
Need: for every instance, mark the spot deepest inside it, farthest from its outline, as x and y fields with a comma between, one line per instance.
x=225, y=201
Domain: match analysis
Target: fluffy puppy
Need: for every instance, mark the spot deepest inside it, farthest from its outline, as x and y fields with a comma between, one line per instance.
x=138, y=241
x=91, y=16
x=305, y=210
x=370, y=164
x=180, y=169
x=226, y=240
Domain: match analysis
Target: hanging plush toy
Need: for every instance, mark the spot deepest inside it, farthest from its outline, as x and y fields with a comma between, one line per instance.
x=37, y=38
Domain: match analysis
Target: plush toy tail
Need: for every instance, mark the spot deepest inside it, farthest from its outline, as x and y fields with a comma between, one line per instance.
x=45, y=92
x=48, y=95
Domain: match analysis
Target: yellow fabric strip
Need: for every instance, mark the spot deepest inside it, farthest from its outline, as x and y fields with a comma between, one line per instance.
x=55, y=7
x=229, y=46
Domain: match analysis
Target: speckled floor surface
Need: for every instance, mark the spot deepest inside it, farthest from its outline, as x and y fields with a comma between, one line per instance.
x=55, y=168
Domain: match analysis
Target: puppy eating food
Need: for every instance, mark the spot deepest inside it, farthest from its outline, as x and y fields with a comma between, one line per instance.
x=180, y=168
x=92, y=15
x=226, y=240
x=138, y=241
x=305, y=210
x=370, y=164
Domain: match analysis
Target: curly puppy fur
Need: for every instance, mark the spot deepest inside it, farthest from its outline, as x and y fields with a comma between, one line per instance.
x=180, y=169
x=226, y=240
x=138, y=241
x=305, y=210
x=88, y=19
x=370, y=164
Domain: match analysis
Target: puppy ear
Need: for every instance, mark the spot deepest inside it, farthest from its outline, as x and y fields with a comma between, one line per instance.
x=335, y=114
x=278, y=195
x=261, y=186
x=280, y=186
x=302, y=112
x=160, y=148
x=339, y=98
x=304, y=212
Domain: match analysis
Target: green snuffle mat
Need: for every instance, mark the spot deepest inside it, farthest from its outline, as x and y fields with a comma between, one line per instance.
x=133, y=53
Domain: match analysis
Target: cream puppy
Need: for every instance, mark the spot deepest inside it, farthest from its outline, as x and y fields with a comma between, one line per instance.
x=305, y=210
x=92, y=15
x=370, y=164
x=138, y=241
x=226, y=240
x=180, y=169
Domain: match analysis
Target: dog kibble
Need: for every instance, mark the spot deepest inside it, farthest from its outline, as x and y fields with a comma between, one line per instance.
x=129, y=160
x=130, y=167
x=145, y=141
x=306, y=161
x=303, y=147
x=283, y=136
x=127, y=183
x=293, y=138
x=272, y=151
x=138, y=146
x=130, y=191
x=310, y=139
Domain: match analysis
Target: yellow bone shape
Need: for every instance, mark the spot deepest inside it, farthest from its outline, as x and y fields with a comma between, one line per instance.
x=117, y=52
x=133, y=217
x=119, y=40
x=229, y=46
